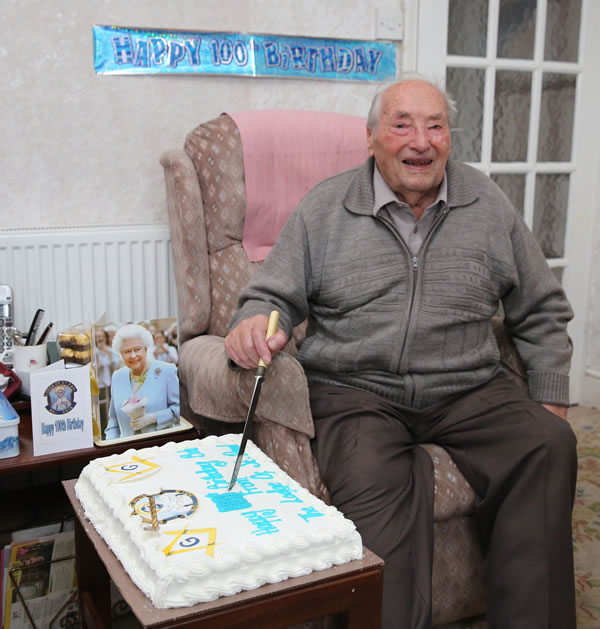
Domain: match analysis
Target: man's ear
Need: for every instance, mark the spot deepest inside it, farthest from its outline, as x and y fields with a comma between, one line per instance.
x=370, y=139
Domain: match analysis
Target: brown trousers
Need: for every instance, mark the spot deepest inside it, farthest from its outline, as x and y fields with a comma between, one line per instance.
x=519, y=458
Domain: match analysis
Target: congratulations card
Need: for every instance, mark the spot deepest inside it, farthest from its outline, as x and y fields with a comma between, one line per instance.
x=61, y=409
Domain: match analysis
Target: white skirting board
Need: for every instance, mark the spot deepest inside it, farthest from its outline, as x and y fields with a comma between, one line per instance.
x=76, y=274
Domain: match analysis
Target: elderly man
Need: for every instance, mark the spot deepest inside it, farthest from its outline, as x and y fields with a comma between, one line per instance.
x=399, y=266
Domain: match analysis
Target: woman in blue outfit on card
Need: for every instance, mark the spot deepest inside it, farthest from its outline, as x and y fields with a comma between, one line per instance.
x=144, y=393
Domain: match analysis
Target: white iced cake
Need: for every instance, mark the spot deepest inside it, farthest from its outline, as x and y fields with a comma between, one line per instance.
x=183, y=538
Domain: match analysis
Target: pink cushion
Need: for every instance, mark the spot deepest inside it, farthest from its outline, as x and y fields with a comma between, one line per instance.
x=286, y=153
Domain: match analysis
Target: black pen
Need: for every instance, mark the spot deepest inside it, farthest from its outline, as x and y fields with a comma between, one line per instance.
x=35, y=324
x=45, y=333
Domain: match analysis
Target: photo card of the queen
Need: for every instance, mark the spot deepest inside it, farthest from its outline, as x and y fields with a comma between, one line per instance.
x=61, y=409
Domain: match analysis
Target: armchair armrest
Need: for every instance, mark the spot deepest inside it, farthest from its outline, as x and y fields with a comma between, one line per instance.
x=219, y=392
x=189, y=244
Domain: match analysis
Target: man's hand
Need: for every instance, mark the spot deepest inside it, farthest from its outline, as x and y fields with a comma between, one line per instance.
x=144, y=420
x=246, y=343
x=561, y=411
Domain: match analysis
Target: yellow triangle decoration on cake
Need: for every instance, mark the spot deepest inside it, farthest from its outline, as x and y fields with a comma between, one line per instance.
x=210, y=546
x=134, y=467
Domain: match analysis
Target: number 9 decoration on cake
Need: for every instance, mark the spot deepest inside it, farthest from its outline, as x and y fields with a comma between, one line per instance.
x=183, y=538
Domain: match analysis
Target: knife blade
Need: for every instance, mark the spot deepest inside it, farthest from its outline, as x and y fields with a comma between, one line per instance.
x=258, y=380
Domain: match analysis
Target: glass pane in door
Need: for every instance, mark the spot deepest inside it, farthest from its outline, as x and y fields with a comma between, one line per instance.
x=513, y=187
x=562, y=30
x=556, y=117
x=511, y=116
x=516, y=28
x=466, y=86
x=467, y=27
x=550, y=213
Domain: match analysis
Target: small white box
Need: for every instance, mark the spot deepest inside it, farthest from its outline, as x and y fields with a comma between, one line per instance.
x=9, y=429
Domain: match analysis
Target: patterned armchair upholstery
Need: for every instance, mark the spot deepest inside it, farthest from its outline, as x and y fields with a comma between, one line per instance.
x=206, y=204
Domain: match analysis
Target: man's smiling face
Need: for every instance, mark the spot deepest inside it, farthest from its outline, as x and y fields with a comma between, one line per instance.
x=411, y=142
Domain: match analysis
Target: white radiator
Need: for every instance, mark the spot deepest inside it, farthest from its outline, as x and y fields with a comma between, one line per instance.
x=78, y=274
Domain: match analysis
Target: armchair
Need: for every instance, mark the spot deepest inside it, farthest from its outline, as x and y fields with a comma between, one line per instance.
x=206, y=195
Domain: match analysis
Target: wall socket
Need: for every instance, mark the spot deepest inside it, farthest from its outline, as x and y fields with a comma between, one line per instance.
x=389, y=24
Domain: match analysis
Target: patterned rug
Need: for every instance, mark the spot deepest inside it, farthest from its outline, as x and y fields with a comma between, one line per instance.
x=586, y=523
x=586, y=518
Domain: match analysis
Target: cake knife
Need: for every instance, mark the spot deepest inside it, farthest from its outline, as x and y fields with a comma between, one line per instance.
x=258, y=379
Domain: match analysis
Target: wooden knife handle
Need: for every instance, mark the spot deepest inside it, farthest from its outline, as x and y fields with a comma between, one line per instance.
x=271, y=329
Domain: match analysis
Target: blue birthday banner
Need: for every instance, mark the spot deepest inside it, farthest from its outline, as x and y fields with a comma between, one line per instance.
x=123, y=50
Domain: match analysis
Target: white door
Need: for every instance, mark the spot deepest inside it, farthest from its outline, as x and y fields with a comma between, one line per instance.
x=526, y=80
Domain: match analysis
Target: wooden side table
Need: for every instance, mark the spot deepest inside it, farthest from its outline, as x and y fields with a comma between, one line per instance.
x=353, y=589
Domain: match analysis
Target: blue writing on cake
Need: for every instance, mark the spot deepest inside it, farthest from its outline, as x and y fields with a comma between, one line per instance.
x=263, y=520
x=264, y=475
x=248, y=486
x=248, y=460
x=288, y=495
x=229, y=450
x=211, y=474
x=191, y=453
x=306, y=513
x=230, y=501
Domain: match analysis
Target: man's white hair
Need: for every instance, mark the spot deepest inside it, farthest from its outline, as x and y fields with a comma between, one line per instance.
x=375, y=109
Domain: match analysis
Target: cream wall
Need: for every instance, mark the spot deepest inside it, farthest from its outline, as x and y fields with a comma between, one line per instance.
x=80, y=148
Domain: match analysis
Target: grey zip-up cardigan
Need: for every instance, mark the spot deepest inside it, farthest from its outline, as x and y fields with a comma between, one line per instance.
x=414, y=329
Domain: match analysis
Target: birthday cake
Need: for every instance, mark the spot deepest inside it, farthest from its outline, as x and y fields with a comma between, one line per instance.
x=183, y=538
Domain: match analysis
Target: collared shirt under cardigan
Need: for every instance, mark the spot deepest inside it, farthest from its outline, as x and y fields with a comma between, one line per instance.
x=411, y=230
